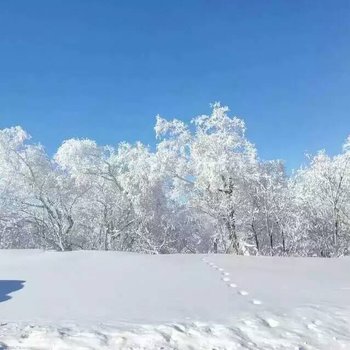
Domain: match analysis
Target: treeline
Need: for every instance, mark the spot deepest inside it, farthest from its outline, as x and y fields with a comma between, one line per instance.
x=203, y=184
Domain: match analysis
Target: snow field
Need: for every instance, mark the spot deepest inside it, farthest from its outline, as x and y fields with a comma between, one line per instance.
x=107, y=300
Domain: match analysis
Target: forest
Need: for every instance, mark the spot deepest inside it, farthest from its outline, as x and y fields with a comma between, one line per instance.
x=202, y=188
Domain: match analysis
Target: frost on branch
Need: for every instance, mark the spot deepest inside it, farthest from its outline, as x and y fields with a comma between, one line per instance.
x=203, y=183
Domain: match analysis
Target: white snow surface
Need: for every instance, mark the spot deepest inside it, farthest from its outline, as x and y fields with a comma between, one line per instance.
x=112, y=300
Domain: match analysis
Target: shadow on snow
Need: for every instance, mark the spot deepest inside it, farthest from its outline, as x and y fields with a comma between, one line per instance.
x=7, y=287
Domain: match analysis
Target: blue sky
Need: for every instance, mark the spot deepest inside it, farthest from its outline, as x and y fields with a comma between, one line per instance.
x=104, y=69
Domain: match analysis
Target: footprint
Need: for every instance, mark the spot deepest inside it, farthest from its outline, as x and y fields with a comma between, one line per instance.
x=226, y=279
x=233, y=285
x=256, y=302
x=221, y=269
x=311, y=326
x=226, y=273
x=243, y=292
x=271, y=322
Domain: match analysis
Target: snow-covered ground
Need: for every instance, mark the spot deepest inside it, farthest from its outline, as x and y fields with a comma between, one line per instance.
x=109, y=300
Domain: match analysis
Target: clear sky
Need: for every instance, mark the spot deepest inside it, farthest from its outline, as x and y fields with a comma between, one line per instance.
x=104, y=69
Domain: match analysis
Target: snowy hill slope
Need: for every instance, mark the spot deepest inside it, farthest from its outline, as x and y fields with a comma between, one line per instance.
x=110, y=300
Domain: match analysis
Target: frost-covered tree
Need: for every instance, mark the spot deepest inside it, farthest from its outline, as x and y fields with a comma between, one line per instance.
x=43, y=197
x=126, y=208
x=204, y=183
x=209, y=167
x=322, y=192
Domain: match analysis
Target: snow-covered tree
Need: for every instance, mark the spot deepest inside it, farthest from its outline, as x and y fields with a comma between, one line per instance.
x=204, y=183
x=209, y=167
x=323, y=194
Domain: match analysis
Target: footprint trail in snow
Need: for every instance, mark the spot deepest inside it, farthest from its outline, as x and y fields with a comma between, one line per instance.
x=225, y=278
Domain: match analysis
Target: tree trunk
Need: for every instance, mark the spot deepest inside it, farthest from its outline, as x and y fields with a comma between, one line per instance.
x=283, y=242
x=231, y=226
x=255, y=236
